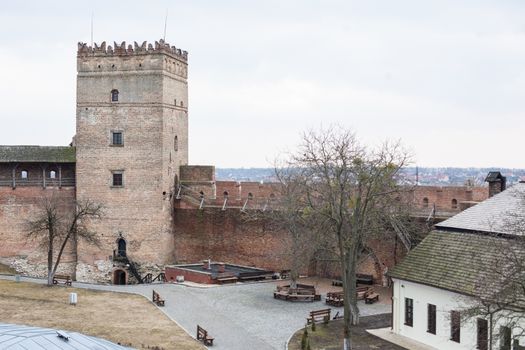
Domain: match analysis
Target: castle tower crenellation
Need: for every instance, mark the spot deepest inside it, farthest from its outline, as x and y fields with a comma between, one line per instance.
x=122, y=50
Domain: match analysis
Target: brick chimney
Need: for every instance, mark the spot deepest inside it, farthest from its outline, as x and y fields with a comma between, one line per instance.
x=497, y=182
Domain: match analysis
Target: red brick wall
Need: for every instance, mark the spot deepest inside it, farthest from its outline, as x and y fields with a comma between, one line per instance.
x=229, y=236
x=16, y=207
x=193, y=276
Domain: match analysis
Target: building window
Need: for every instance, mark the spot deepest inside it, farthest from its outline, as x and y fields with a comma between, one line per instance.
x=24, y=174
x=114, y=95
x=52, y=174
x=431, y=319
x=425, y=202
x=455, y=326
x=117, y=179
x=454, y=203
x=176, y=143
x=409, y=312
x=483, y=334
x=117, y=138
x=505, y=338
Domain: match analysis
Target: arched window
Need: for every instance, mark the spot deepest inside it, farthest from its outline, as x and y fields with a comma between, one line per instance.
x=181, y=104
x=121, y=247
x=425, y=202
x=454, y=203
x=250, y=196
x=114, y=95
x=24, y=174
x=225, y=193
x=52, y=174
x=201, y=194
x=176, y=143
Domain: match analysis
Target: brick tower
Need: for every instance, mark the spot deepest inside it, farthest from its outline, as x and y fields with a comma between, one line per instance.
x=131, y=138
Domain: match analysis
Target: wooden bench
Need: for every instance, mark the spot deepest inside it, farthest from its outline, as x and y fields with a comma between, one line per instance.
x=335, y=299
x=371, y=297
x=318, y=315
x=66, y=279
x=157, y=299
x=364, y=278
x=202, y=335
x=362, y=292
x=337, y=283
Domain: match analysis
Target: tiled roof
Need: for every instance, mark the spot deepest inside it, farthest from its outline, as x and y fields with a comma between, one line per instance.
x=17, y=337
x=495, y=214
x=451, y=261
x=51, y=154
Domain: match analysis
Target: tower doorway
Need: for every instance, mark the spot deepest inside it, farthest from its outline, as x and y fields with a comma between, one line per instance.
x=119, y=277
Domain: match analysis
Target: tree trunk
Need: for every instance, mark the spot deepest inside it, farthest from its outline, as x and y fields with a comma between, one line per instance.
x=50, y=273
x=351, y=311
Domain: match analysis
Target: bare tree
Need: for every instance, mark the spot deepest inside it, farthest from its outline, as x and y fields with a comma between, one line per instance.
x=55, y=229
x=351, y=192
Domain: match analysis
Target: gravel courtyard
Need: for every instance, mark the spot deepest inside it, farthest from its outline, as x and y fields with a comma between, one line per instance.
x=239, y=317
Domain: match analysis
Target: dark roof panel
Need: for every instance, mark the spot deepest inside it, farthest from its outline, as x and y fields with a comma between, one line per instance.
x=452, y=260
x=51, y=154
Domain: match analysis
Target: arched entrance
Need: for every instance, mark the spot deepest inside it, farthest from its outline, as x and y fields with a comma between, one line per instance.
x=119, y=277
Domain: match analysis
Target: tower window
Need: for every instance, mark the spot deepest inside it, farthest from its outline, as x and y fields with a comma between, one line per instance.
x=116, y=138
x=117, y=179
x=114, y=95
x=24, y=174
x=425, y=202
x=454, y=203
x=181, y=104
x=176, y=143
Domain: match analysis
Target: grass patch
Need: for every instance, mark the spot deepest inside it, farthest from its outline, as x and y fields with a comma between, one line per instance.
x=119, y=317
x=330, y=336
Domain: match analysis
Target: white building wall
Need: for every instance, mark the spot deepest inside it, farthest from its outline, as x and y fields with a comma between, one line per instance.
x=445, y=302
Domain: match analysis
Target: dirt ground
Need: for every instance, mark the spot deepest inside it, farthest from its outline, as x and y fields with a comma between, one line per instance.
x=6, y=270
x=330, y=336
x=122, y=318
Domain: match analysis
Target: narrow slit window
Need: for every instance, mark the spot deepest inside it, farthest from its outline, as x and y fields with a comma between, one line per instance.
x=431, y=319
x=176, y=143
x=409, y=312
x=455, y=326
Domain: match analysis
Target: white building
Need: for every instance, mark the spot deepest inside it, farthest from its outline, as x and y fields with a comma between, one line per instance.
x=438, y=283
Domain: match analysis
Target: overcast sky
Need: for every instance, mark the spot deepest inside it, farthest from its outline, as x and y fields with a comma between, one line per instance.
x=445, y=77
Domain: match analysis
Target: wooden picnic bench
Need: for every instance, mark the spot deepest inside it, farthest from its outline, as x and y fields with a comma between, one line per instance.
x=335, y=299
x=303, y=292
x=362, y=292
x=66, y=279
x=202, y=335
x=371, y=297
x=157, y=299
x=318, y=315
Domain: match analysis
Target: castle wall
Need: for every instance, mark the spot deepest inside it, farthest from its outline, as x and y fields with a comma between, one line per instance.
x=228, y=236
x=19, y=205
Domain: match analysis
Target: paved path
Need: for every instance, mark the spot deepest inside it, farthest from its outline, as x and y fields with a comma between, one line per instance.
x=241, y=316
